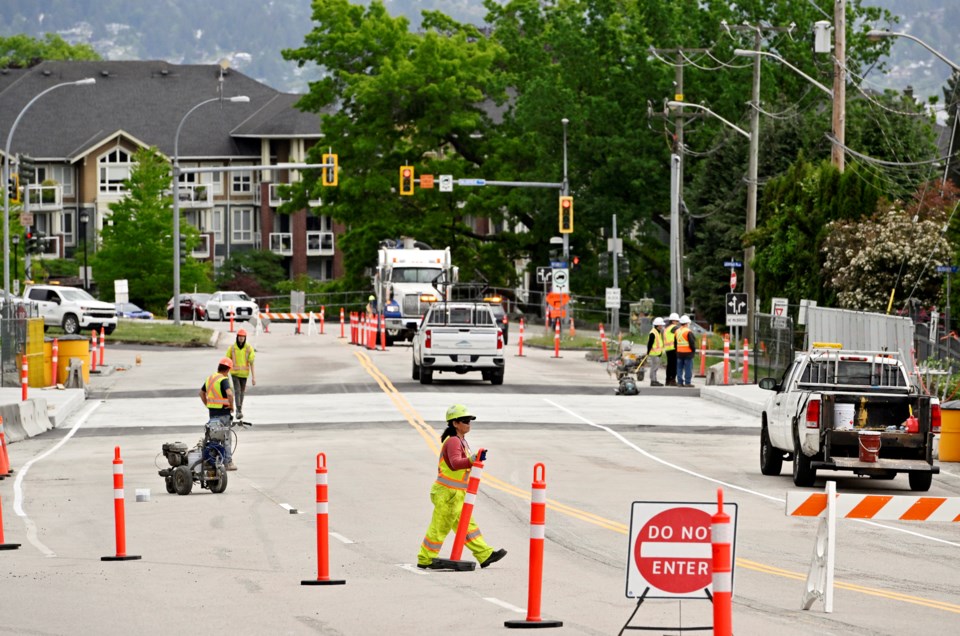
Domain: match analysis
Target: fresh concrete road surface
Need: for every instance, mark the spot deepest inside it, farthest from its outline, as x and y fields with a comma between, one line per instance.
x=234, y=562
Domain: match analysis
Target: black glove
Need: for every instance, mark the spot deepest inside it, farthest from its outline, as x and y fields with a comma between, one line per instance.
x=483, y=455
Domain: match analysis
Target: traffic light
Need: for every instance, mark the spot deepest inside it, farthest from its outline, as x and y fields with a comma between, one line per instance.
x=605, y=264
x=576, y=263
x=566, y=215
x=32, y=243
x=13, y=188
x=406, y=181
x=183, y=249
x=330, y=171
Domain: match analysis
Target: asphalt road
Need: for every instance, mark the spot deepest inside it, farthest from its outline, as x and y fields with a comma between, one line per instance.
x=234, y=562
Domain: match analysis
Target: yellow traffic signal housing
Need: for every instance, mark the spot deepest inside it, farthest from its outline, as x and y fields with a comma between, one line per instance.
x=406, y=181
x=330, y=176
x=13, y=188
x=566, y=215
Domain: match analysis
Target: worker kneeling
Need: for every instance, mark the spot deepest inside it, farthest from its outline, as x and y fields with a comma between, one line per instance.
x=449, y=490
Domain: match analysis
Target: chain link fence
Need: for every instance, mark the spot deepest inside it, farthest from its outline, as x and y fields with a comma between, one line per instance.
x=13, y=341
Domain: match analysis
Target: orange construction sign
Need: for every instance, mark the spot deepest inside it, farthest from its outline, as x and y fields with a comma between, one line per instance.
x=426, y=181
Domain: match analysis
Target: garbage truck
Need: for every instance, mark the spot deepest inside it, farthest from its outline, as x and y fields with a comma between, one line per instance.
x=410, y=275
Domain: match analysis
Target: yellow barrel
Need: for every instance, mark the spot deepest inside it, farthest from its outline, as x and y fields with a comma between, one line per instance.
x=950, y=435
x=72, y=347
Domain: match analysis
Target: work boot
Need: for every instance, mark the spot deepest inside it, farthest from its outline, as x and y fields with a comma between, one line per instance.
x=671, y=383
x=231, y=465
x=493, y=558
x=428, y=566
x=656, y=384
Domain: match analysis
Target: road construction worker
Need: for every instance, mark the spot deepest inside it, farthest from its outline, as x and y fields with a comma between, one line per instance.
x=686, y=348
x=655, y=350
x=241, y=354
x=371, y=305
x=670, y=347
x=449, y=491
x=216, y=393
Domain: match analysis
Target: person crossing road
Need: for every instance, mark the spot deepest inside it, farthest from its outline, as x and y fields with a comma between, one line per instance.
x=241, y=354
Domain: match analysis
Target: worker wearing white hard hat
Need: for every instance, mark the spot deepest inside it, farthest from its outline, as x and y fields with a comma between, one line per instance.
x=670, y=348
x=655, y=350
x=686, y=344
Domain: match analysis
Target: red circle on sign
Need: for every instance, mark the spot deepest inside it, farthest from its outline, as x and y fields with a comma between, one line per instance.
x=673, y=552
x=733, y=279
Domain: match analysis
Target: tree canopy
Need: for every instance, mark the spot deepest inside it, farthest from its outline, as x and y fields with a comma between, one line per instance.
x=22, y=51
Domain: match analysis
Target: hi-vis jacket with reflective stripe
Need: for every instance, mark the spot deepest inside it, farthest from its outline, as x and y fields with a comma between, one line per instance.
x=657, y=348
x=684, y=335
x=216, y=399
x=446, y=476
x=669, y=338
x=241, y=357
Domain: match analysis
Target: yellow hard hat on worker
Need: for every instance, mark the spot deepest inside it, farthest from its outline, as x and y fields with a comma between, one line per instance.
x=459, y=412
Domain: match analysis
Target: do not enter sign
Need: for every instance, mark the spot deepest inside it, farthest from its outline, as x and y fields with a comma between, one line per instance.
x=670, y=549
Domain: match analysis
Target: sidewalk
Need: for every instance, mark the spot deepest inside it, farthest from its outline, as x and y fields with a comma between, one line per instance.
x=44, y=409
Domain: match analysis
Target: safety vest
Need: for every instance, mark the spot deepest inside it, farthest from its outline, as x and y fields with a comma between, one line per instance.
x=657, y=343
x=446, y=476
x=683, y=340
x=215, y=399
x=669, y=338
x=241, y=359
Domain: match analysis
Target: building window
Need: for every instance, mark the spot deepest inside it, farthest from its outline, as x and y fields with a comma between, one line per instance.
x=242, y=182
x=69, y=226
x=241, y=225
x=115, y=167
x=61, y=175
x=216, y=215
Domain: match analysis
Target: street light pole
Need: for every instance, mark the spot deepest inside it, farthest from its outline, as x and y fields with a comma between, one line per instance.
x=16, y=256
x=6, y=179
x=565, y=190
x=84, y=219
x=176, y=200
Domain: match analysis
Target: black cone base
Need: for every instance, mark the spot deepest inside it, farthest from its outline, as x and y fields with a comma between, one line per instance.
x=319, y=582
x=9, y=546
x=450, y=564
x=531, y=624
x=128, y=557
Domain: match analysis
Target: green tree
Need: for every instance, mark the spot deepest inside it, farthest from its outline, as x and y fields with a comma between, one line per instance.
x=22, y=51
x=256, y=272
x=137, y=238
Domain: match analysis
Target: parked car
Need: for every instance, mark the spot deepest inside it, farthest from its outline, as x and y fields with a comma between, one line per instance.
x=190, y=303
x=71, y=308
x=223, y=303
x=130, y=310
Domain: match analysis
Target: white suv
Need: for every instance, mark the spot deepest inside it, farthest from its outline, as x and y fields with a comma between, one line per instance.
x=71, y=308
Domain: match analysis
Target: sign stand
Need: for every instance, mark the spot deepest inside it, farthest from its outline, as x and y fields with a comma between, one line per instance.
x=627, y=625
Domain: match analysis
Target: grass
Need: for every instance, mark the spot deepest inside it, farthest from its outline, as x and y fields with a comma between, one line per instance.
x=147, y=332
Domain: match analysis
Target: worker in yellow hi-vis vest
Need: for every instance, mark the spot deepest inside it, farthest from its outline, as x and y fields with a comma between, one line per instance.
x=241, y=353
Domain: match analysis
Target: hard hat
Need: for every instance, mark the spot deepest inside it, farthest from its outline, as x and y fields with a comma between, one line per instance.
x=658, y=322
x=242, y=332
x=372, y=297
x=459, y=412
x=226, y=362
x=684, y=319
x=674, y=317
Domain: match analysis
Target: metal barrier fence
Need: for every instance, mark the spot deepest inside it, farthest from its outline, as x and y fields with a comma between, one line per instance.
x=774, y=348
x=13, y=341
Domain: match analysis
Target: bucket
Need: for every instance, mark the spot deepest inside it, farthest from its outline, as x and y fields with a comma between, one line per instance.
x=843, y=415
x=869, y=446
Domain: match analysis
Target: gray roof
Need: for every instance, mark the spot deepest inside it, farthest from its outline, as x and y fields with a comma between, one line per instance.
x=146, y=100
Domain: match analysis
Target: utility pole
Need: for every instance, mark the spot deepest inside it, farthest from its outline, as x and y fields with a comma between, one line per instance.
x=839, y=81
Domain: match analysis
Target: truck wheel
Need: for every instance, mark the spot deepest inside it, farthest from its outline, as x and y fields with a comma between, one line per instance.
x=426, y=376
x=920, y=482
x=182, y=480
x=771, y=459
x=496, y=377
x=219, y=484
x=70, y=325
x=803, y=474
x=415, y=374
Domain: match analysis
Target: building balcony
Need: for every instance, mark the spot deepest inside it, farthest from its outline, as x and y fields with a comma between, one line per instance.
x=204, y=250
x=320, y=244
x=276, y=199
x=194, y=195
x=44, y=197
x=281, y=243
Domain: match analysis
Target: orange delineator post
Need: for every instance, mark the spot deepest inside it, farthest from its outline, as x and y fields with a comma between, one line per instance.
x=56, y=370
x=603, y=344
x=93, y=351
x=383, y=332
x=341, y=323
x=3, y=544
x=118, y=512
x=573, y=330
x=4, y=457
x=298, y=325
x=323, y=318
x=703, y=355
x=538, y=520
x=520, y=341
x=323, y=529
x=721, y=539
x=267, y=311
x=102, y=346
x=466, y=513
x=556, y=339
x=726, y=358
x=746, y=362
x=231, y=320
x=23, y=378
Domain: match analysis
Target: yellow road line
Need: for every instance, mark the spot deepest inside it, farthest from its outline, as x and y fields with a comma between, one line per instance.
x=433, y=441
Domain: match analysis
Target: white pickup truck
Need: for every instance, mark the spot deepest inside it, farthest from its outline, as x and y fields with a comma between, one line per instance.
x=71, y=308
x=458, y=337
x=827, y=397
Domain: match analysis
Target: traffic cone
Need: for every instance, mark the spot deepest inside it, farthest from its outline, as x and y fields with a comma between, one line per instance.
x=4, y=457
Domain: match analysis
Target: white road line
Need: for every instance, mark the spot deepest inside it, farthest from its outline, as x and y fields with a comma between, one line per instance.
x=727, y=484
x=340, y=538
x=290, y=509
x=18, y=498
x=504, y=604
x=410, y=567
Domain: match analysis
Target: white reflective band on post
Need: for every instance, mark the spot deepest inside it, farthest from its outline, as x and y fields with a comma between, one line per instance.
x=322, y=508
x=118, y=493
x=476, y=471
x=538, y=496
x=721, y=533
x=721, y=582
x=321, y=479
x=118, y=469
x=537, y=531
x=470, y=498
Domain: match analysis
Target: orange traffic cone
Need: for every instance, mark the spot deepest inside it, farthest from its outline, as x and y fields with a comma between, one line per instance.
x=4, y=457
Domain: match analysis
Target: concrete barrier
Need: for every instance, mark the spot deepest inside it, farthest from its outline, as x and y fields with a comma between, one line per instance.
x=25, y=419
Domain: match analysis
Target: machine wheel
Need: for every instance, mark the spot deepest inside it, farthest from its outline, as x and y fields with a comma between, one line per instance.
x=803, y=474
x=220, y=483
x=168, y=482
x=496, y=377
x=70, y=325
x=426, y=376
x=920, y=482
x=771, y=459
x=415, y=374
x=182, y=480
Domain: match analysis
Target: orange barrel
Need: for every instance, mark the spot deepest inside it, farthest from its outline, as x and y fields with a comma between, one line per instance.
x=950, y=431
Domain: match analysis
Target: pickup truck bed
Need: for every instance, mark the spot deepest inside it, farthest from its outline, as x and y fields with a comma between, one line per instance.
x=458, y=337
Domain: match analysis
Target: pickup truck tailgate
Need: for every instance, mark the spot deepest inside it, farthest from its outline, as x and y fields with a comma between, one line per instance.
x=462, y=341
